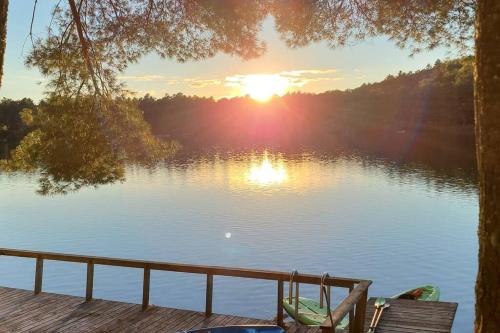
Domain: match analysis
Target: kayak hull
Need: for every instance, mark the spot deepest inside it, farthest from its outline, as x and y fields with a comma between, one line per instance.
x=426, y=293
x=311, y=314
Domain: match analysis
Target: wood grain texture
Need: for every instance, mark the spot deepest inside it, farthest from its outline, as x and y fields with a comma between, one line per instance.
x=408, y=316
x=208, y=295
x=487, y=111
x=22, y=311
x=38, y=275
x=89, y=289
x=357, y=296
x=145, y=288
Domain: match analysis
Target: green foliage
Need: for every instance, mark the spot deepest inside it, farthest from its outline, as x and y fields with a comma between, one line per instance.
x=440, y=97
x=120, y=32
x=417, y=24
x=427, y=24
x=72, y=146
x=432, y=104
x=10, y=117
x=337, y=22
x=86, y=131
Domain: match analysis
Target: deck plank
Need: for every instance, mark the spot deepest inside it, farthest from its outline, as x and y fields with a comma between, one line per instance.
x=413, y=316
x=22, y=311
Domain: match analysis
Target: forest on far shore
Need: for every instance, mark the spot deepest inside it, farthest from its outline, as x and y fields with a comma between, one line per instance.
x=402, y=114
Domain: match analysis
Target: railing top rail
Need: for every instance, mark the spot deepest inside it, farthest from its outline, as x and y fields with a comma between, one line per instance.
x=187, y=268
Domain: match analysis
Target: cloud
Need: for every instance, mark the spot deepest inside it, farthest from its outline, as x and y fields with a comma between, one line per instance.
x=294, y=78
x=202, y=83
x=154, y=93
x=193, y=82
x=141, y=77
x=286, y=81
x=305, y=72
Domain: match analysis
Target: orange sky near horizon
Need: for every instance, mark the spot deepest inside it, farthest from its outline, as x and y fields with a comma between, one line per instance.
x=314, y=69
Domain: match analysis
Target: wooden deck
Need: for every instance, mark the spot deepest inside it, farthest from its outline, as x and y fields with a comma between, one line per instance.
x=23, y=311
x=26, y=311
x=406, y=316
x=353, y=305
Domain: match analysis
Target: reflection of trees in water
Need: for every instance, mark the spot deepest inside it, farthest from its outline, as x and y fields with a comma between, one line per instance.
x=441, y=177
x=85, y=133
x=69, y=146
x=70, y=149
x=64, y=171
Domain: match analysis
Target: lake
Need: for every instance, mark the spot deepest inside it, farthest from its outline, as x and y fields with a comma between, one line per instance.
x=398, y=224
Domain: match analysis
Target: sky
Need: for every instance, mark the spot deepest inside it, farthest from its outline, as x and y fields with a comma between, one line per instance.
x=314, y=68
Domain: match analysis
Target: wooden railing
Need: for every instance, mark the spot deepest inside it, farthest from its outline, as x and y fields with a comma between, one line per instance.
x=353, y=305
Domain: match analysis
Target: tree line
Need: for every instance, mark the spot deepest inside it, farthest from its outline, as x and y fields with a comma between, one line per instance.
x=432, y=105
x=423, y=117
x=396, y=113
x=92, y=41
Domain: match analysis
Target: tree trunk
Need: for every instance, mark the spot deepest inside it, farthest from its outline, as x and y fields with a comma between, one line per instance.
x=487, y=106
x=4, y=5
x=85, y=44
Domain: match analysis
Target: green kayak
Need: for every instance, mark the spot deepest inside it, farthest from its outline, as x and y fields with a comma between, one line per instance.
x=310, y=312
x=422, y=293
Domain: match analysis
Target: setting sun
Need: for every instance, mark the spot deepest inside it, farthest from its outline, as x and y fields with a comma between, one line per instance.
x=220, y=143
x=262, y=87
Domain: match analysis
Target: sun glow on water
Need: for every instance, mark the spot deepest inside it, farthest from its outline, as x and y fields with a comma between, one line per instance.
x=267, y=173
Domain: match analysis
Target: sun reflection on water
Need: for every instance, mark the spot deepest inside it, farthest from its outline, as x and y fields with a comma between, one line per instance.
x=266, y=172
x=262, y=172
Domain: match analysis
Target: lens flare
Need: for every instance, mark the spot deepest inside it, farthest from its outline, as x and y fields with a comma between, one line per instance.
x=261, y=87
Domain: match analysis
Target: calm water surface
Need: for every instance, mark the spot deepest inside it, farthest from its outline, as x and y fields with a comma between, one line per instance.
x=399, y=226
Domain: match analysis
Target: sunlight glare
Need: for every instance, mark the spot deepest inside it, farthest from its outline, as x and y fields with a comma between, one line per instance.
x=265, y=173
x=262, y=87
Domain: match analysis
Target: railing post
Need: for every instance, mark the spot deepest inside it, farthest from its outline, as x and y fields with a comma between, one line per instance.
x=209, y=293
x=351, y=315
x=145, y=288
x=38, y=275
x=279, y=314
x=359, y=315
x=90, y=281
x=296, y=301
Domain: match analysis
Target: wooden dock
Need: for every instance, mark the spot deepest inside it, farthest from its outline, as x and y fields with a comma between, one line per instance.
x=36, y=311
x=23, y=311
x=408, y=316
x=353, y=305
